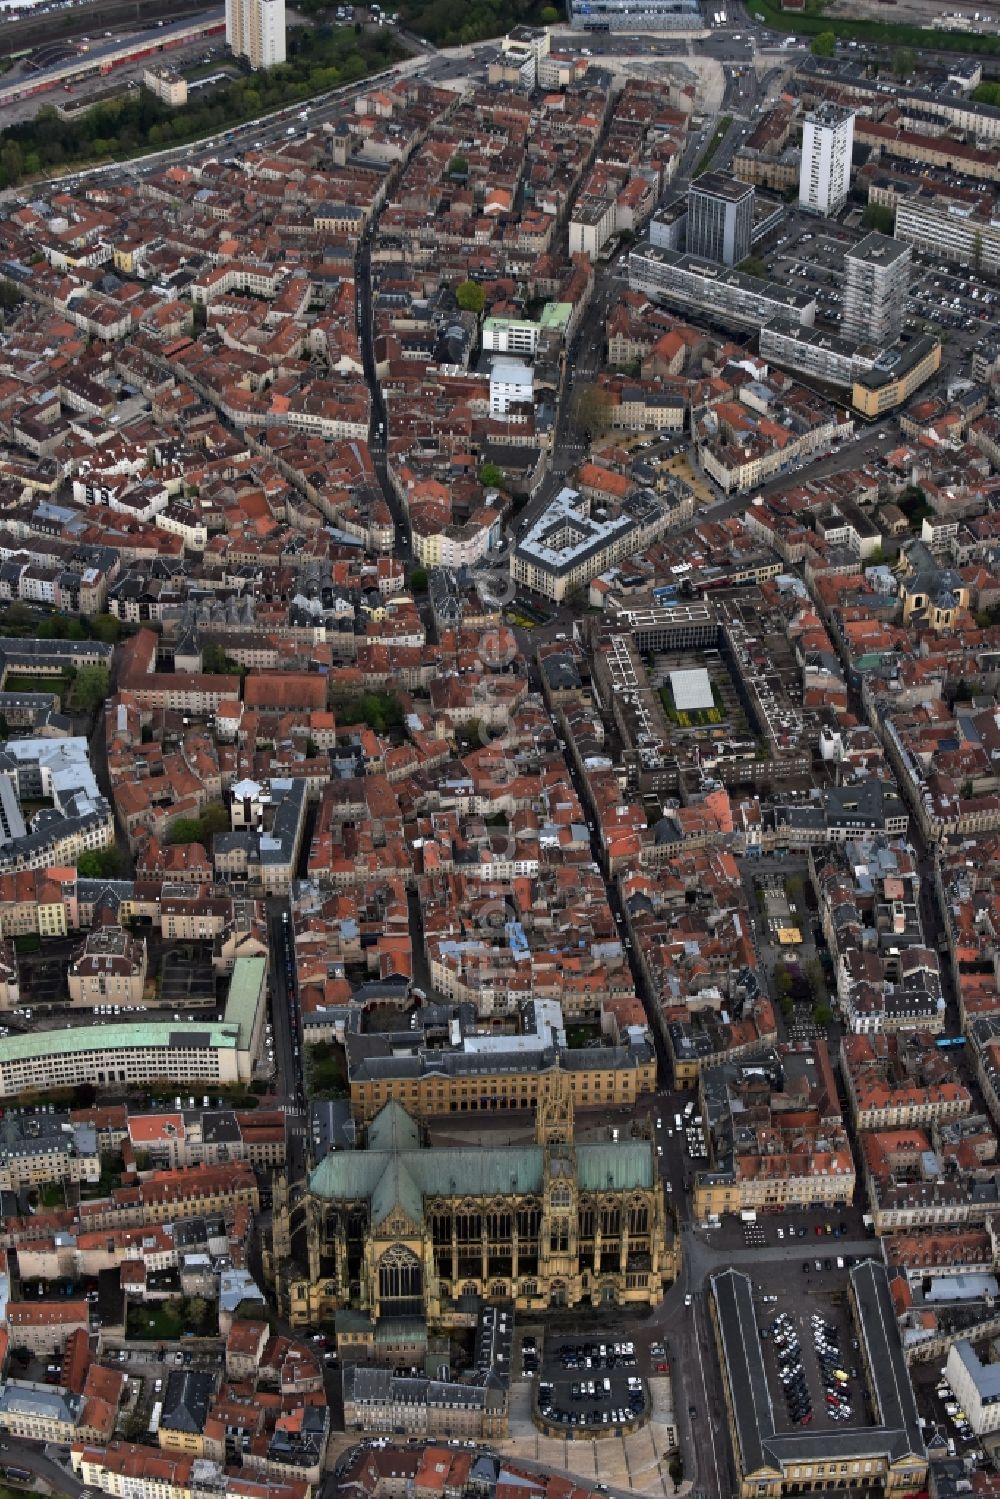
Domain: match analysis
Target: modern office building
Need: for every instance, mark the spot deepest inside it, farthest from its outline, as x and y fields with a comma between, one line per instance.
x=939, y=225
x=878, y=279
x=255, y=29
x=825, y=167
x=720, y=218
x=128, y=1054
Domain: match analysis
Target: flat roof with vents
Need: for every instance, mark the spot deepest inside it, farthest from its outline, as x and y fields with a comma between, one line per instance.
x=692, y=690
x=879, y=249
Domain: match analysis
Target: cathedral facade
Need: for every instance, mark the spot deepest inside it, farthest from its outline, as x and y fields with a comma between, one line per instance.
x=408, y=1234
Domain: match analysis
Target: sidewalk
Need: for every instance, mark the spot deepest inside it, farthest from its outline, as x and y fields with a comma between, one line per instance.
x=638, y=1462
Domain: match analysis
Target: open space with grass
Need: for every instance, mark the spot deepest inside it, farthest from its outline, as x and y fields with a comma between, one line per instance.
x=709, y=152
x=161, y=1321
x=326, y=1071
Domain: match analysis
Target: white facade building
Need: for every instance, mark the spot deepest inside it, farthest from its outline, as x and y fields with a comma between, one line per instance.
x=827, y=147
x=976, y=1386
x=511, y=384
x=510, y=335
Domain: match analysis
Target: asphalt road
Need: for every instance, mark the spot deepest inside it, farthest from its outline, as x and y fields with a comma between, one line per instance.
x=30, y=1455
x=285, y=1025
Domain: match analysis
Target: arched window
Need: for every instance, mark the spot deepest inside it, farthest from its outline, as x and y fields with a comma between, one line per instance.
x=561, y=1196
x=400, y=1281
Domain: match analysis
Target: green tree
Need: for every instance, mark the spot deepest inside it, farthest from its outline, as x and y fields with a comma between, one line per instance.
x=824, y=45
x=90, y=688
x=676, y=1470
x=754, y=266
x=10, y=295
x=904, y=60
x=459, y=165
x=197, y=1313
x=418, y=580
x=470, y=297
x=214, y=819
x=101, y=864
x=106, y=628
x=822, y=1015
x=185, y=830
x=549, y=16
x=491, y=476
x=215, y=660
x=817, y=979
x=591, y=409
x=878, y=216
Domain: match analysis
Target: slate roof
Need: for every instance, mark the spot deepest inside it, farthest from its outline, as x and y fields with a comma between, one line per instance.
x=896, y=1435
x=397, y=1170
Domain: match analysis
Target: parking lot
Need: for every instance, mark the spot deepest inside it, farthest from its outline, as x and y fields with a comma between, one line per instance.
x=809, y=1345
x=592, y=1385
x=811, y=1358
x=812, y=262
x=949, y=299
x=939, y=1407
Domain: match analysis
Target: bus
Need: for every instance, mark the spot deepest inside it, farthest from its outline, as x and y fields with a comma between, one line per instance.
x=944, y=1043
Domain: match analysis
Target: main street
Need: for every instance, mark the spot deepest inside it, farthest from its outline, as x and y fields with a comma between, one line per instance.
x=287, y=1039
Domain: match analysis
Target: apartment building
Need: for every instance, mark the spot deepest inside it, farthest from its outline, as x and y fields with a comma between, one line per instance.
x=765, y=1165
x=876, y=289
x=976, y=1386
x=109, y=968
x=825, y=168
x=894, y=1081
x=168, y=85
x=39, y=1412
x=593, y=222
x=38, y=1148
x=894, y=377
x=184, y=1192
x=378, y=1400
x=568, y=545
x=948, y=229
x=44, y=1326
x=255, y=29
x=715, y=291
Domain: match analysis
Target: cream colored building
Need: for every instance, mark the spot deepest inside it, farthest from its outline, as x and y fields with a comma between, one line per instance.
x=166, y=85
x=255, y=29
x=44, y=1326
x=39, y=1412
x=976, y=1386
x=109, y=968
